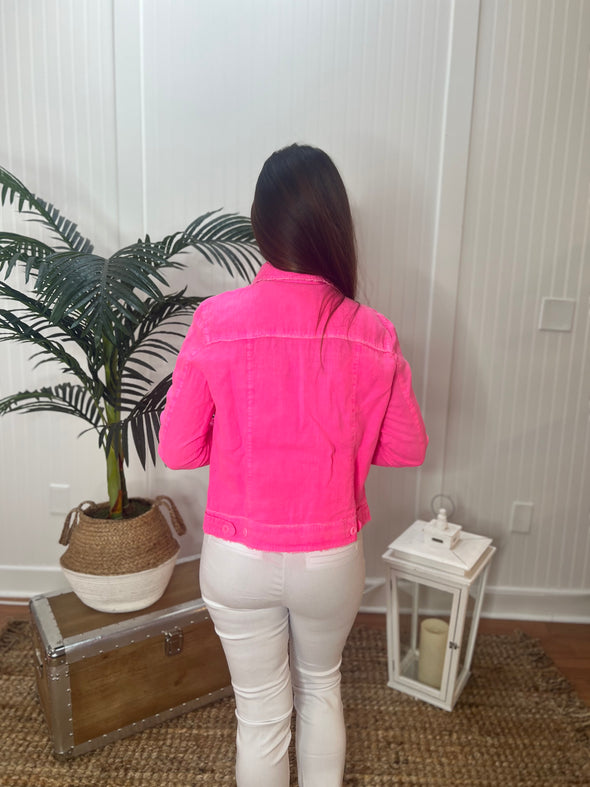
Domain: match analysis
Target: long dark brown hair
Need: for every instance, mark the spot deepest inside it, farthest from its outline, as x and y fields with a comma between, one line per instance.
x=302, y=220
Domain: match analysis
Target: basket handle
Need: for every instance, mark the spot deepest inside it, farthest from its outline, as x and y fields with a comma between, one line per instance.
x=71, y=520
x=175, y=517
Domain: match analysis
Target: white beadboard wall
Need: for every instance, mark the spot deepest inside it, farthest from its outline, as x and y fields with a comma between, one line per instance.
x=366, y=81
x=518, y=425
x=459, y=128
x=57, y=134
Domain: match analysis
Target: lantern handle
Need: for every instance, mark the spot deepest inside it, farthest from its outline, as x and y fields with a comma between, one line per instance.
x=442, y=501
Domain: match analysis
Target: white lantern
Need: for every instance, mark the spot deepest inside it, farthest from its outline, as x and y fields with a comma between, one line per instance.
x=436, y=581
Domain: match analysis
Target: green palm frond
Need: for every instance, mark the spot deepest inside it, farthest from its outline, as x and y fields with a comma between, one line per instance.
x=35, y=309
x=102, y=295
x=63, y=398
x=225, y=239
x=149, y=255
x=143, y=420
x=162, y=319
x=12, y=188
x=34, y=328
x=16, y=248
x=64, y=230
x=227, y=255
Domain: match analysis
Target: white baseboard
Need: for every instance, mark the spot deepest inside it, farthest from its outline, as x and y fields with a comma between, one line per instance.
x=551, y=604
x=24, y=582
x=509, y=603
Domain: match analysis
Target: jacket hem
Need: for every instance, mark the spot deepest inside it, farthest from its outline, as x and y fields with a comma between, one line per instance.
x=280, y=537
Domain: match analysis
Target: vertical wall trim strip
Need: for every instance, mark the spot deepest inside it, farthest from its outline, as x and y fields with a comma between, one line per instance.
x=450, y=209
x=129, y=112
x=130, y=136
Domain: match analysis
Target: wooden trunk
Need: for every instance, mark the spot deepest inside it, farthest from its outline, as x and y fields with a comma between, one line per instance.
x=103, y=676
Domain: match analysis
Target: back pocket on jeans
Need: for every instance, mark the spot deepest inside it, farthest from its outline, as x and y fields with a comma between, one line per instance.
x=332, y=557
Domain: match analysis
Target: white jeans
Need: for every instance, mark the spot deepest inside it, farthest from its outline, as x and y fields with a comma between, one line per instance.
x=261, y=603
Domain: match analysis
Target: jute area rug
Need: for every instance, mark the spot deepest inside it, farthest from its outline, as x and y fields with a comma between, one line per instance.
x=516, y=723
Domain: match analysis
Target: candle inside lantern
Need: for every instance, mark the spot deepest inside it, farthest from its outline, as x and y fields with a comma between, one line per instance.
x=434, y=634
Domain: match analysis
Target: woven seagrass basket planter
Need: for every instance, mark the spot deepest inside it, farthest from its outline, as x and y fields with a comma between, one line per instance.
x=120, y=565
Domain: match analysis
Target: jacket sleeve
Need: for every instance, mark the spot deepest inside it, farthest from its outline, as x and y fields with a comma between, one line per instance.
x=186, y=425
x=402, y=440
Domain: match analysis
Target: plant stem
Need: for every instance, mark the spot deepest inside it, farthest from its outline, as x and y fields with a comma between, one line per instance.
x=114, y=484
x=117, y=487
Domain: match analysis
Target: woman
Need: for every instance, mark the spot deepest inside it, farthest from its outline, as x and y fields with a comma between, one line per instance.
x=290, y=389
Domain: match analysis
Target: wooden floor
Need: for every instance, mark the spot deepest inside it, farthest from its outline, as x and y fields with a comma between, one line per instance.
x=567, y=644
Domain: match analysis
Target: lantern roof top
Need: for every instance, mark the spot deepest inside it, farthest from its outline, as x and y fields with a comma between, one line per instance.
x=415, y=547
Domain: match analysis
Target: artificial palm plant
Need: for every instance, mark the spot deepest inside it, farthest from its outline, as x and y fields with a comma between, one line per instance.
x=116, y=313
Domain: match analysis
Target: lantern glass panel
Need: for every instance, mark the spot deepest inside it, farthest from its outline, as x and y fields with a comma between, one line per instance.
x=470, y=630
x=424, y=619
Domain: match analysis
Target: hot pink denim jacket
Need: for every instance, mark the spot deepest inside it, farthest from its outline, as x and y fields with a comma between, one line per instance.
x=289, y=416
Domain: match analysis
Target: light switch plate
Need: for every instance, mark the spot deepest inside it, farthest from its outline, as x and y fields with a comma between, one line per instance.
x=557, y=314
x=59, y=498
x=521, y=518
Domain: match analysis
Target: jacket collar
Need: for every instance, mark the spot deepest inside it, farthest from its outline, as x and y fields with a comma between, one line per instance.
x=269, y=273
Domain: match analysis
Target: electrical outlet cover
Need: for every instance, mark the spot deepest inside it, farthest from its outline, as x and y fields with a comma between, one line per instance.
x=59, y=498
x=557, y=314
x=521, y=518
